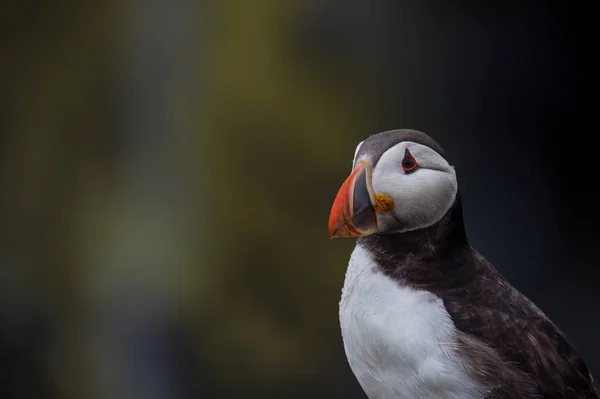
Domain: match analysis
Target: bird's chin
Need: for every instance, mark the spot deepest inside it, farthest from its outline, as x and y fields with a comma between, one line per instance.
x=353, y=211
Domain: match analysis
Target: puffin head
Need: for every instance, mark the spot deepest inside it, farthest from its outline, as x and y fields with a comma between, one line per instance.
x=400, y=182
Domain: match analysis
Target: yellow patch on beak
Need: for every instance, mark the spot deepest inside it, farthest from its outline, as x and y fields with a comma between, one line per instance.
x=383, y=203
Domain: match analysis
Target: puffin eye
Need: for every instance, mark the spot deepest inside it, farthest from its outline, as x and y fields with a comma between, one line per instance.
x=409, y=163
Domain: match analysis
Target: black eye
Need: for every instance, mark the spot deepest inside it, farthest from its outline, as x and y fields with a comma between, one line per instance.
x=409, y=163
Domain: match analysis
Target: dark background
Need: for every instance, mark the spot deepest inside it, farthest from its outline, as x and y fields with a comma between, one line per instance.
x=167, y=170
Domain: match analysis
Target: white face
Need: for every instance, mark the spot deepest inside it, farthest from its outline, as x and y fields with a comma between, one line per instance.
x=422, y=195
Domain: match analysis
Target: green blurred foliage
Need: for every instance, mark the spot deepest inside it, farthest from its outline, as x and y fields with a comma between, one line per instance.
x=270, y=128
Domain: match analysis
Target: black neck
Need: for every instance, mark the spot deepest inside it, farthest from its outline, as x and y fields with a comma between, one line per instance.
x=436, y=258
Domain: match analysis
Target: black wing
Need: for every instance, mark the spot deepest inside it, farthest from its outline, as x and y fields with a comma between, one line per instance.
x=503, y=318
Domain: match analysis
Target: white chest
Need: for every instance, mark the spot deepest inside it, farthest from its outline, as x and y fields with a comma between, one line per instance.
x=399, y=340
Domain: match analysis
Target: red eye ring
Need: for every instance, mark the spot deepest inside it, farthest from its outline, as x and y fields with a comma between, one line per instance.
x=409, y=163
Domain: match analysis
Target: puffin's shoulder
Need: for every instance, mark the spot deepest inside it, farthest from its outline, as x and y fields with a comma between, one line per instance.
x=490, y=310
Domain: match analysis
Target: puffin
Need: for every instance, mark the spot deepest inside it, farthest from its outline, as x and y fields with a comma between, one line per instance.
x=423, y=315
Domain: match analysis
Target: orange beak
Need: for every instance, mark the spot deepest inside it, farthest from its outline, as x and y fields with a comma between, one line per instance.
x=353, y=212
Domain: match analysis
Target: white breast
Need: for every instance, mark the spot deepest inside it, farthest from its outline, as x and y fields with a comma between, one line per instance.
x=399, y=341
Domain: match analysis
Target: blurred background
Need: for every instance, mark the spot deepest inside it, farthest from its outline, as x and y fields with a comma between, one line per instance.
x=167, y=169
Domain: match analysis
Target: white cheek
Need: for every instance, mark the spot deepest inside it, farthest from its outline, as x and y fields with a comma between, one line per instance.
x=420, y=199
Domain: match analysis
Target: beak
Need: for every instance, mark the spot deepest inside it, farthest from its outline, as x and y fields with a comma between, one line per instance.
x=353, y=212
